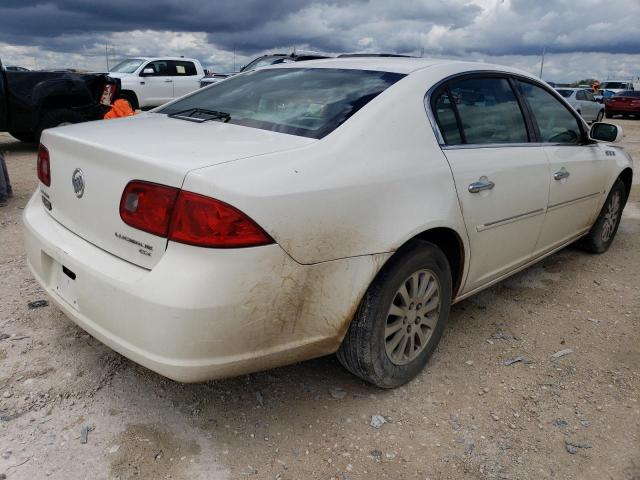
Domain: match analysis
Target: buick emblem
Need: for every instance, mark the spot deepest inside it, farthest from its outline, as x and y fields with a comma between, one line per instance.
x=77, y=179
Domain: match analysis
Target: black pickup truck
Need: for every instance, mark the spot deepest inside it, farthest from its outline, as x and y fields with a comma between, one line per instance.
x=33, y=101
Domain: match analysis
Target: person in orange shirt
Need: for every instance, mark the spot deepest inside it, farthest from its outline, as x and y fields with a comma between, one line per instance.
x=119, y=108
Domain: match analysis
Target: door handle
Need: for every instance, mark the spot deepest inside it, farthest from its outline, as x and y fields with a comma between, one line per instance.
x=168, y=81
x=483, y=184
x=560, y=174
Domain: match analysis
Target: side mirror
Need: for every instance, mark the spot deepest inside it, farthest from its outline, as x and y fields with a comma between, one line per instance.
x=147, y=72
x=606, y=132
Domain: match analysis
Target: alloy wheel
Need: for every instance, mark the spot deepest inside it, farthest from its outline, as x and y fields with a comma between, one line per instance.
x=611, y=217
x=412, y=317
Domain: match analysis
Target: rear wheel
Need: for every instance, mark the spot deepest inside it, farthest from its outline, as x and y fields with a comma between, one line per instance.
x=26, y=137
x=57, y=118
x=608, y=114
x=601, y=235
x=599, y=116
x=401, y=317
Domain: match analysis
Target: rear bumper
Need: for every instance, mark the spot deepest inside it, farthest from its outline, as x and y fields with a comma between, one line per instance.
x=200, y=314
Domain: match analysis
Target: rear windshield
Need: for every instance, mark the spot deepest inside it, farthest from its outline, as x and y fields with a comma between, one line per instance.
x=308, y=102
x=628, y=93
x=565, y=93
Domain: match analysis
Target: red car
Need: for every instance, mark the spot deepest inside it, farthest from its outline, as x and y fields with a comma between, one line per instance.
x=623, y=103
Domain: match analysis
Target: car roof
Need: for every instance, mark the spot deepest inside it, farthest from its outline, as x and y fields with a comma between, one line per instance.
x=160, y=58
x=575, y=89
x=404, y=65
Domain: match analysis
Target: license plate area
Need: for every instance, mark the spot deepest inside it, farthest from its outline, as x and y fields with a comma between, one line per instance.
x=65, y=284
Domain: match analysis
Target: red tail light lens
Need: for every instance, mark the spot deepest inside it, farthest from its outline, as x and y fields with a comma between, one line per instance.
x=44, y=165
x=206, y=222
x=147, y=206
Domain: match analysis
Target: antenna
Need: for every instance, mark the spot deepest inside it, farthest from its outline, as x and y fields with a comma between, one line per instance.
x=542, y=61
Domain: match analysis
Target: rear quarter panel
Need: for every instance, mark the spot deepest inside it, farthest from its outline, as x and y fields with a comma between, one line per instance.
x=366, y=188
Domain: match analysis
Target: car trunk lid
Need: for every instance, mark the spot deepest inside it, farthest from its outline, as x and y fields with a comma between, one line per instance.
x=91, y=164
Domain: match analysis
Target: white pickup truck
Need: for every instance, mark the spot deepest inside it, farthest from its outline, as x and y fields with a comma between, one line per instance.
x=150, y=82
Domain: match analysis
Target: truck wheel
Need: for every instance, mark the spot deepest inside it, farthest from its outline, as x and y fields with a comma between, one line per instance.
x=401, y=317
x=26, y=137
x=57, y=118
x=131, y=98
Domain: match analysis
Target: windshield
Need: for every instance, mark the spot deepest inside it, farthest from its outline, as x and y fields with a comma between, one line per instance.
x=305, y=102
x=565, y=93
x=128, y=66
x=614, y=85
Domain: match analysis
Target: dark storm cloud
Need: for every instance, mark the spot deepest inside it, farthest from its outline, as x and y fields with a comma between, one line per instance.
x=247, y=26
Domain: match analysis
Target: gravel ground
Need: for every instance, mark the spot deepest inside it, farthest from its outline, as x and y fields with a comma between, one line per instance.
x=70, y=408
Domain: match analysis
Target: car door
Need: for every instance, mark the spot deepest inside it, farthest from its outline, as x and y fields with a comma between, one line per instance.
x=185, y=77
x=576, y=167
x=157, y=86
x=501, y=178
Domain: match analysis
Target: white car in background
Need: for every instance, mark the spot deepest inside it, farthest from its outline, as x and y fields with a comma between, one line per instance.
x=298, y=210
x=150, y=82
x=584, y=102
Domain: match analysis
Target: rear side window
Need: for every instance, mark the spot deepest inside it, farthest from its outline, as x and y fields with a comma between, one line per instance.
x=580, y=95
x=555, y=122
x=489, y=111
x=181, y=68
x=446, y=118
x=565, y=93
x=309, y=102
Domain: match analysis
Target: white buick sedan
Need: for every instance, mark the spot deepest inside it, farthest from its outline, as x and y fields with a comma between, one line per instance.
x=338, y=206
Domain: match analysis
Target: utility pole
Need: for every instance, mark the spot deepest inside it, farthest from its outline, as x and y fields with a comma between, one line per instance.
x=542, y=61
x=234, y=57
x=106, y=54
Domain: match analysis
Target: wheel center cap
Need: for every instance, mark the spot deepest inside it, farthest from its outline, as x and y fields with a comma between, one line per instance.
x=411, y=316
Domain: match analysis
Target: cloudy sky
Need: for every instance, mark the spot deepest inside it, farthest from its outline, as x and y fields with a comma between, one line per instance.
x=588, y=38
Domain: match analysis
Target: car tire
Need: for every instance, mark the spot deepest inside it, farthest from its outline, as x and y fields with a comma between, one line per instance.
x=599, y=116
x=603, y=231
x=26, y=137
x=392, y=309
x=608, y=114
x=56, y=118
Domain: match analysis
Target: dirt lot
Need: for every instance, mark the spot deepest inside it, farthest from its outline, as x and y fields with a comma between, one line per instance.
x=467, y=416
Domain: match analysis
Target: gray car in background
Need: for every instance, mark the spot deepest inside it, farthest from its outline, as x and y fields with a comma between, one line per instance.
x=584, y=102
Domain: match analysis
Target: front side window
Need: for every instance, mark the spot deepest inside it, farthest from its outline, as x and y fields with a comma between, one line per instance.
x=160, y=68
x=580, y=95
x=555, y=122
x=589, y=96
x=489, y=111
x=309, y=102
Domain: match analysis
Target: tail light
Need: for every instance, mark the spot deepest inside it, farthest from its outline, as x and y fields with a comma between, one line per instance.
x=187, y=217
x=147, y=206
x=206, y=222
x=44, y=165
x=108, y=92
